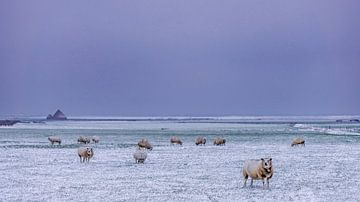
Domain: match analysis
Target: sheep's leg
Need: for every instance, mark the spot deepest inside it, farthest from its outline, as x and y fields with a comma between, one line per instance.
x=245, y=179
x=263, y=181
x=267, y=183
x=251, y=182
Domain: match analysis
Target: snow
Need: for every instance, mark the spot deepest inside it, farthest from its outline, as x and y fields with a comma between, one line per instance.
x=326, y=169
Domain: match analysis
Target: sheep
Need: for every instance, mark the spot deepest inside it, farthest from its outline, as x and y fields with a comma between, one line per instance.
x=298, y=141
x=140, y=155
x=54, y=139
x=144, y=143
x=84, y=139
x=175, y=140
x=258, y=170
x=85, y=154
x=95, y=139
x=219, y=141
x=200, y=140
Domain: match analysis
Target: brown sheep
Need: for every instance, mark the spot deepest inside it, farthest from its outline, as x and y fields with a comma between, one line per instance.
x=298, y=141
x=85, y=154
x=144, y=143
x=258, y=170
x=219, y=141
x=84, y=139
x=54, y=139
x=175, y=140
x=200, y=141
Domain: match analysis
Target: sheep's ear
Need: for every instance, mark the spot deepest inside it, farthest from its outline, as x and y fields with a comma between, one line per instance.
x=262, y=159
x=270, y=159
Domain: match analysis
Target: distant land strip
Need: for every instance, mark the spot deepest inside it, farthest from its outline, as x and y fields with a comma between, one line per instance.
x=184, y=120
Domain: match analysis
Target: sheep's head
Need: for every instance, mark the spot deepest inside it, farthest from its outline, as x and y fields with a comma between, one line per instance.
x=89, y=151
x=267, y=164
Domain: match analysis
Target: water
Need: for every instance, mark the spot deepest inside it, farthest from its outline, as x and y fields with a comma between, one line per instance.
x=326, y=169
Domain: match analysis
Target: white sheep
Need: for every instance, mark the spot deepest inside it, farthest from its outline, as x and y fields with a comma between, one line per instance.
x=200, y=140
x=175, y=140
x=54, y=139
x=85, y=154
x=140, y=155
x=258, y=170
x=84, y=139
x=219, y=141
x=298, y=141
x=95, y=139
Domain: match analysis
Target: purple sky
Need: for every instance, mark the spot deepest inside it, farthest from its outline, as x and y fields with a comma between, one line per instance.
x=134, y=58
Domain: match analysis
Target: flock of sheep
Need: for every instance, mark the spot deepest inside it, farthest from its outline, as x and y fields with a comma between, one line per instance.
x=84, y=153
x=260, y=169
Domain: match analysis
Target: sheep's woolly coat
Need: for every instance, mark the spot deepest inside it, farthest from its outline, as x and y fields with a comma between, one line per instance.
x=219, y=141
x=54, y=139
x=85, y=154
x=258, y=170
x=175, y=140
x=95, y=139
x=84, y=139
x=140, y=156
x=298, y=141
x=144, y=143
x=200, y=140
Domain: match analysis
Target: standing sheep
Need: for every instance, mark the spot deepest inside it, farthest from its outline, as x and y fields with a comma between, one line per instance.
x=175, y=140
x=85, y=154
x=144, y=143
x=95, y=139
x=84, y=139
x=200, y=141
x=298, y=141
x=54, y=139
x=219, y=141
x=140, y=155
x=258, y=170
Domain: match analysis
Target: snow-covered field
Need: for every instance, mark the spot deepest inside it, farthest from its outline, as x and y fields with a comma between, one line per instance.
x=326, y=169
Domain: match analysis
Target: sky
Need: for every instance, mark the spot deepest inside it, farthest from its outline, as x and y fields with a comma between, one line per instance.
x=179, y=58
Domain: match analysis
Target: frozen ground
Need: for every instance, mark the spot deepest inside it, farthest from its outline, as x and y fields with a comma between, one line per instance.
x=327, y=169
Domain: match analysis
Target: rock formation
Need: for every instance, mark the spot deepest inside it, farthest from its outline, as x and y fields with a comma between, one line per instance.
x=59, y=115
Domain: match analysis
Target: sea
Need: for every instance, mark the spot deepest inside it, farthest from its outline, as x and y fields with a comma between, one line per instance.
x=327, y=168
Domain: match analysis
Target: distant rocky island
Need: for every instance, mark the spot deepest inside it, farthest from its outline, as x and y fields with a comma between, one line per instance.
x=350, y=120
x=8, y=122
x=59, y=115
